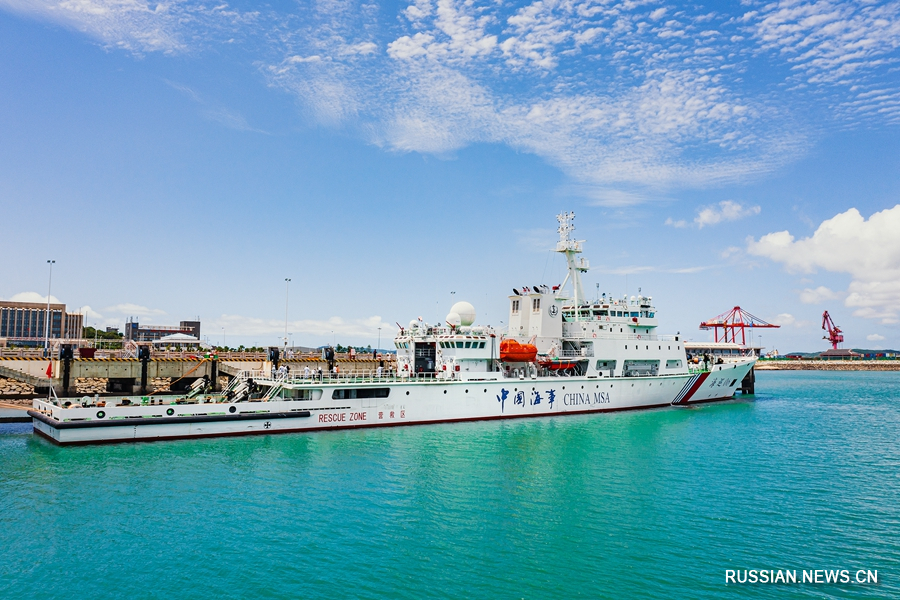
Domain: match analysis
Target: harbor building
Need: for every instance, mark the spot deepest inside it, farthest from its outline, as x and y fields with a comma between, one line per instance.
x=151, y=333
x=25, y=322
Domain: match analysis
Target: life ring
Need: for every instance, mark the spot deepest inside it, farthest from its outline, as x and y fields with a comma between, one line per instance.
x=170, y=411
x=639, y=337
x=100, y=414
x=595, y=335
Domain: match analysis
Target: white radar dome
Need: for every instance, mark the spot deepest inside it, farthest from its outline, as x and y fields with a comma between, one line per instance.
x=453, y=319
x=465, y=311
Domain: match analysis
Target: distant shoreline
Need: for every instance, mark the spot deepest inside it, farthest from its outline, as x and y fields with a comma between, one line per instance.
x=828, y=365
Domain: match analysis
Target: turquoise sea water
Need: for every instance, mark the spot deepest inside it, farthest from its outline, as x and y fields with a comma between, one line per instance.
x=647, y=504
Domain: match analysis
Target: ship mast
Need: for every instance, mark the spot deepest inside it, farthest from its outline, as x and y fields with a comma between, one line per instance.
x=570, y=247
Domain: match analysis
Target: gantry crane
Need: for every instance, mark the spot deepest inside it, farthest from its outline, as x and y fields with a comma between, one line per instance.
x=732, y=321
x=835, y=335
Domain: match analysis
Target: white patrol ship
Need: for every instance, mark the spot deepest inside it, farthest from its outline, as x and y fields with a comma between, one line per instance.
x=561, y=355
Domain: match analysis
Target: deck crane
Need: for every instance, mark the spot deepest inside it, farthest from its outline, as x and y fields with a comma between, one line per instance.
x=835, y=335
x=732, y=321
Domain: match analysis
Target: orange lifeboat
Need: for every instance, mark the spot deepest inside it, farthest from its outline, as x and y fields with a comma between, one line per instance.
x=555, y=365
x=513, y=351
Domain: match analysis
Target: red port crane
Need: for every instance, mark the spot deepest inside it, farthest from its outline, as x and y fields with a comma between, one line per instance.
x=835, y=335
x=732, y=321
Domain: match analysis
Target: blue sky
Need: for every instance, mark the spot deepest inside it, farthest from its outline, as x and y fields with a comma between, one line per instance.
x=182, y=159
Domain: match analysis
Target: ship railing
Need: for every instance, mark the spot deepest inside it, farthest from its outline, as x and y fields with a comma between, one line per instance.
x=590, y=335
x=580, y=353
x=280, y=378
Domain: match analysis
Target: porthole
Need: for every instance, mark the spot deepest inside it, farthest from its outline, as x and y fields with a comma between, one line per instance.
x=445, y=391
x=407, y=393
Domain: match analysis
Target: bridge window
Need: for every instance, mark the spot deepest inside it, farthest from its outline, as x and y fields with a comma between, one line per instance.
x=515, y=307
x=536, y=305
x=350, y=394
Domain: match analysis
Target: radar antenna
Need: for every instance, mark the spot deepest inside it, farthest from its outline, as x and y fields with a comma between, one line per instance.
x=570, y=247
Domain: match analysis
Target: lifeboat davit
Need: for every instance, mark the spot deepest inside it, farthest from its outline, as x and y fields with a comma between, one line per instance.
x=513, y=351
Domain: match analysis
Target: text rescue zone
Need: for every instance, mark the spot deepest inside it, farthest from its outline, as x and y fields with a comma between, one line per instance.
x=790, y=576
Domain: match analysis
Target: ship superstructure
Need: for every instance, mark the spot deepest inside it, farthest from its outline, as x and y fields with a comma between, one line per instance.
x=560, y=354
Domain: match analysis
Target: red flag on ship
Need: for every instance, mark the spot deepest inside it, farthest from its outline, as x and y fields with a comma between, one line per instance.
x=50, y=371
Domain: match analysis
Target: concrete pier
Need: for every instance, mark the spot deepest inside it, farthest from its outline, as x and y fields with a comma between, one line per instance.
x=14, y=413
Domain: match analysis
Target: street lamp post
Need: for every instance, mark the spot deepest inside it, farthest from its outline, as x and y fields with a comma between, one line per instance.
x=223, y=339
x=378, y=347
x=287, y=283
x=47, y=318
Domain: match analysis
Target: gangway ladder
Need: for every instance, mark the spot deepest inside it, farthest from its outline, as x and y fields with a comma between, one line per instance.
x=278, y=380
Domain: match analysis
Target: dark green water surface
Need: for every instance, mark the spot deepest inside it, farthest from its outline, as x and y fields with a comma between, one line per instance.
x=648, y=504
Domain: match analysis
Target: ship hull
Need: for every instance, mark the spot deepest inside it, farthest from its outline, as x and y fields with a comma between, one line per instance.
x=406, y=403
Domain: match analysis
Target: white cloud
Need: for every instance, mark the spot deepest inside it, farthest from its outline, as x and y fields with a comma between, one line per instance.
x=239, y=325
x=789, y=320
x=134, y=310
x=874, y=337
x=610, y=198
x=137, y=25
x=829, y=40
x=89, y=313
x=633, y=94
x=727, y=210
x=845, y=43
x=295, y=60
x=633, y=269
x=819, y=295
x=598, y=90
x=867, y=250
x=362, y=48
x=784, y=319
x=687, y=270
x=219, y=114
x=33, y=297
